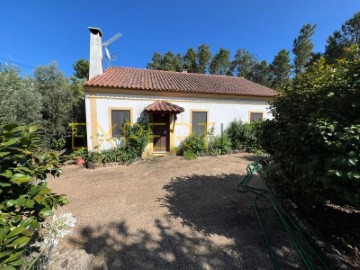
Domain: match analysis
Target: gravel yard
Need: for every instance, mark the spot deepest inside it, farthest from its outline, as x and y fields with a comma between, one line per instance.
x=169, y=213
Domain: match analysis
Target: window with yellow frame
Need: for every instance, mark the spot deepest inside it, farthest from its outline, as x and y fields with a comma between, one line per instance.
x=118, y=119
x=256, y=117
x=199, y=122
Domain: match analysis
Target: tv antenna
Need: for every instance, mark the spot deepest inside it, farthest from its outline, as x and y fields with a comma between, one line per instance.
x=106, y=45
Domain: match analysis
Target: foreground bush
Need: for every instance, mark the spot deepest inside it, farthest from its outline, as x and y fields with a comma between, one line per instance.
x=244, y=136
x=25, y=199
x=314, y=136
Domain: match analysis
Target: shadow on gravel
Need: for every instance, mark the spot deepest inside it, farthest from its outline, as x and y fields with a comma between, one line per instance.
x=252, y=157
x=121, y=249
x=211, y=210
x=212, y=206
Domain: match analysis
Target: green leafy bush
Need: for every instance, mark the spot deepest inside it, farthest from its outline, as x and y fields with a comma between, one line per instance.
x=105, y=156
x=135, y=138
x=188, y=155
x=195, y=143
x=133, y=141
x=79, y=153
x=244, y=136
x=219, y=145
x=25, y=198
x=314, y=136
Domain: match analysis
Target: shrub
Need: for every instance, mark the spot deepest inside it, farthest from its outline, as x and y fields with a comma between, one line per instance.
x=244, y=136
x=314, y=136
x=25, y=198
x=219, y=145
x=106, y=156
x=81, y=152
x=133, y=141
x=195, y=143
x=94, y=157
x=188, y=155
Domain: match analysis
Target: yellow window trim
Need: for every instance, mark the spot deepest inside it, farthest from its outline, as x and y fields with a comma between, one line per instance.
x=191, y=118
x=250, y=112
x=110, y=109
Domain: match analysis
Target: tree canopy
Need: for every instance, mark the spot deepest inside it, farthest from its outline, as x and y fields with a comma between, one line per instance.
x=315, y=133
x=244, y=64
x=280, y=69
x=48, y=99
x=81, y=68
x=204, y=56
x=20, y=101
x=220, y=64
x=340, y=40
x=302, y=47
x=190, y=61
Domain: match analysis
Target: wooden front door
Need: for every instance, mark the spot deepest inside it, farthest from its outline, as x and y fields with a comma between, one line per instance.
x=161, y=130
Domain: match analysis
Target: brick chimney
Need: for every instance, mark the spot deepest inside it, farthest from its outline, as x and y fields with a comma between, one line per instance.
x=96, y=52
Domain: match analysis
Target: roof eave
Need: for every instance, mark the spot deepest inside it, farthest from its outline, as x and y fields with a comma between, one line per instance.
x=87, y=86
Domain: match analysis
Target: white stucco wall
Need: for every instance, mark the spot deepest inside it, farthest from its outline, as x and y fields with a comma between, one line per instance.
x=220, y=111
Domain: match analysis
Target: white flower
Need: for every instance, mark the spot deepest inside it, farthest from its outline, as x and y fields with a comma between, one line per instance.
x=59, y=227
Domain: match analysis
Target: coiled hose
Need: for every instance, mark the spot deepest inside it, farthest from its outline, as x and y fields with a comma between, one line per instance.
x=294, y=232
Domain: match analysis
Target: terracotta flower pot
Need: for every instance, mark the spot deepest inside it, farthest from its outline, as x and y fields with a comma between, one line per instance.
x=79, y=161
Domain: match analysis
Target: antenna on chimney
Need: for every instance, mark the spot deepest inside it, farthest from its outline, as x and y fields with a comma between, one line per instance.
x=107, y=43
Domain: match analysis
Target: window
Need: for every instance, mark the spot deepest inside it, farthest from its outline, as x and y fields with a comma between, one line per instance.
x=118, y=119
x=255, y=117
x=199, y=122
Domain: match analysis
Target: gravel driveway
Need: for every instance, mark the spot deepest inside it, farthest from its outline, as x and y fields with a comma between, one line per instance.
x=169, y=213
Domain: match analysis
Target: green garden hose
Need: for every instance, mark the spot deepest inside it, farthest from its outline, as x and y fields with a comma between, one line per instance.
x=294, y=232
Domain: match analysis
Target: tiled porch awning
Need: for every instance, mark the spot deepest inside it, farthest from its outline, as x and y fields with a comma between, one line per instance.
x=163, y=106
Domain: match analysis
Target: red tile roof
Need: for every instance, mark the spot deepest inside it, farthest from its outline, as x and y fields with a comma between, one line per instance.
x=163, y=106
x=159, y=80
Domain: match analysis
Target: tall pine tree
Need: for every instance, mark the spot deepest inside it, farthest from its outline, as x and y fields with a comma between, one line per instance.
x=339, y=42
x=220, y=64
x=261, y=74
x=190, y=61
x=302, y=47
x=335, y=47
x=81, y=68
x=156, y=62
x=351, y=30
x=244, y=64
x=280, y=69
x=204, y=55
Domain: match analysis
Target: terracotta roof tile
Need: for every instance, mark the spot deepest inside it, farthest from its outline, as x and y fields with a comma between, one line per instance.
x=163, y=106
x=159, y=80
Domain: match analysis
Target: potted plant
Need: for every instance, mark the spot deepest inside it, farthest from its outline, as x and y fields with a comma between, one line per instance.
x=79, y=156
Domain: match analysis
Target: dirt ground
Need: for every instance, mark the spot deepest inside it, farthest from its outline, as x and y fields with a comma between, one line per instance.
x=169, y=213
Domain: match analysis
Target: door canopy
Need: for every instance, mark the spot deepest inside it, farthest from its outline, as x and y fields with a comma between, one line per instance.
x=164, y=107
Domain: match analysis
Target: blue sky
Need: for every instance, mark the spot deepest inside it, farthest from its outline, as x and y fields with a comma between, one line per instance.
x=37, y=32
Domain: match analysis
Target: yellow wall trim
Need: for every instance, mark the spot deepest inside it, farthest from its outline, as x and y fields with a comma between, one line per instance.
x=94, y=122
x=172, y=131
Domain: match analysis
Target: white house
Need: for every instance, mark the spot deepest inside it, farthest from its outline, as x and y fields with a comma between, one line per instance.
x=174, y=103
